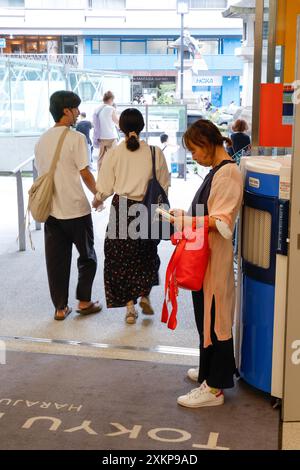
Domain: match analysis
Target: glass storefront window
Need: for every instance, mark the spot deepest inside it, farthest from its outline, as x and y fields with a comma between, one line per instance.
x=16, y=47
x=95, y=46
x=12, y=3
x=133, y=47
x=209, y=47
x=125, y=46
x=109, y=47
x=54, y=4
x=31, y=47
x=209, y=4
x=43, y=47
x=109, y=4
x=157, y=46
x=103, y=46
x=26, y=88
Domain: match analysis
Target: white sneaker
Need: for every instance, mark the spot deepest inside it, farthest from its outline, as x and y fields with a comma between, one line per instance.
x=200, y=397
x=131, y=315
x=193, y=374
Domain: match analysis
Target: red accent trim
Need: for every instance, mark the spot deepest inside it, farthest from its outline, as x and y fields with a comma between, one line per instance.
x=173, y=271
x=272, y=133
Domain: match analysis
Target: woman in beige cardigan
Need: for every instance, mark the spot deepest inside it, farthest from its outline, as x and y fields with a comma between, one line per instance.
x=219, y=197
x=131, y=264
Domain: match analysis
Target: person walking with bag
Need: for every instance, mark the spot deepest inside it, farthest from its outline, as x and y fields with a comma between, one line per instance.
x=70, y=219
x=131, y=263
x=84, y=126
x=220, y=197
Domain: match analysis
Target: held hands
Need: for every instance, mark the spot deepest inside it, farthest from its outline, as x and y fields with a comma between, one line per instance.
x=97, y=205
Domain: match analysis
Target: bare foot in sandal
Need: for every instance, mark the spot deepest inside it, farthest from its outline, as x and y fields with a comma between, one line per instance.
x=85, y=308
x=62, y=313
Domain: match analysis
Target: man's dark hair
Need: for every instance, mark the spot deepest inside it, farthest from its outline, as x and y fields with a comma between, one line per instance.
x=60, y=100
x=83, y=114
x=163, y=138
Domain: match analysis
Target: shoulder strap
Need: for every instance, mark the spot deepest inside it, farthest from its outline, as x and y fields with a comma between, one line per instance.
x=152, y=148
x=223, y=163
x=57, y=151
x=101, y=109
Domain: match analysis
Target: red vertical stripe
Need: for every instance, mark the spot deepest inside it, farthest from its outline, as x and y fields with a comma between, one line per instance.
x=272, y=133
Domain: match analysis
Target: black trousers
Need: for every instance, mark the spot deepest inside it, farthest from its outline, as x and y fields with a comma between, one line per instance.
x=217, y=364
x=59, y=238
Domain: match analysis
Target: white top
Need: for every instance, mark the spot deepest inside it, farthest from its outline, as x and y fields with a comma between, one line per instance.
x=107, y=126
x=69, y=200
x=127, y=173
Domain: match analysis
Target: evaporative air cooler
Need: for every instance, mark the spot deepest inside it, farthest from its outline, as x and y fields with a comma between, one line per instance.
x=264, y=270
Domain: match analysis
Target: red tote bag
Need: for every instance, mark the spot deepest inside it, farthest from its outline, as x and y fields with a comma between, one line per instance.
x=186, y=268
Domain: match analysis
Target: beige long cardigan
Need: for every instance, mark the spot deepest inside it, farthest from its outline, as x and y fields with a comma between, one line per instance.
x=223, y=203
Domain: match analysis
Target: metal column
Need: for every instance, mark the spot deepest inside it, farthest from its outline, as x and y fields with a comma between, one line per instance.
x=181, y=59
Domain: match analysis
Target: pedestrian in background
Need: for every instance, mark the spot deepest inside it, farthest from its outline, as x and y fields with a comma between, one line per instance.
x=240, y=139
x=84, y=126
x=105, y=120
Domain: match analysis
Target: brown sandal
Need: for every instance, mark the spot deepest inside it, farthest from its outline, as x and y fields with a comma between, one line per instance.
x=67, y=311
x=94, y=307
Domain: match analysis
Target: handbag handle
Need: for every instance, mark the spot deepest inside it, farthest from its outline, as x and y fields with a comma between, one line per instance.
x=57, y=151
x=171, y=289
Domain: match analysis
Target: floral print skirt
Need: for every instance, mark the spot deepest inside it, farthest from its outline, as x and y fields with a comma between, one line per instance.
x=130, y=266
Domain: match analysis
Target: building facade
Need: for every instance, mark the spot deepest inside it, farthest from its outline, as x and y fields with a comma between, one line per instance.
x=130, y=36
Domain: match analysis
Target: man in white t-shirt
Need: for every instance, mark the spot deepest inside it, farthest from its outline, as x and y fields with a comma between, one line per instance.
x=70, y=219
x=105, y=120
x=168, y=151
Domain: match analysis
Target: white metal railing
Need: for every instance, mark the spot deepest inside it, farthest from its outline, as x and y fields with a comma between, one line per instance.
x=17, y=172
x=64, y=59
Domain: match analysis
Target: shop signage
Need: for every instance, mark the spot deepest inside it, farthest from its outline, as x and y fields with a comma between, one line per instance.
x=2, y=43
x=207, y=80
x=150, y=78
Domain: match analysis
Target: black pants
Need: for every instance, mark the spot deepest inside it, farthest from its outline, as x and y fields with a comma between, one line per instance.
x=217, y=364
x=59, y=238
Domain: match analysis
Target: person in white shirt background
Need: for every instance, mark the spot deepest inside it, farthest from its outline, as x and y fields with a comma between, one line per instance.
x=70, y=219
x=168, y=150
x=105, y=121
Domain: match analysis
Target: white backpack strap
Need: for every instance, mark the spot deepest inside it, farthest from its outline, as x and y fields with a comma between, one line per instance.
x=57, y=151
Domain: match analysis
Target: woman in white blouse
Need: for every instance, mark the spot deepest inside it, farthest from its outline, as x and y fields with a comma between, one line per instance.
x=131, y=264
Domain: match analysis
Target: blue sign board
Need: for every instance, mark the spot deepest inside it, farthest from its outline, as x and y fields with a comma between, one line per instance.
x=2, y=43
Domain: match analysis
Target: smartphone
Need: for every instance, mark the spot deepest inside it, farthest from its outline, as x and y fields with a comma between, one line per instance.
x=164, y=213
